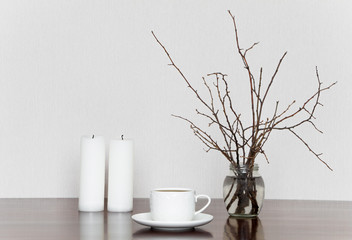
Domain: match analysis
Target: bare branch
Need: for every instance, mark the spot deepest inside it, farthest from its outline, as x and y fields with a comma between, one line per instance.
x=179, y=71
x=251, y=78
x=240, y=140
x=306, y=144
x=248, y=49
x=274, y=75
x=206, y=138
x=300, y=109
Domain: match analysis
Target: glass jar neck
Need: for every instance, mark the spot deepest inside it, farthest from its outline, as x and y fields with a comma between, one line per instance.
x=243, y=169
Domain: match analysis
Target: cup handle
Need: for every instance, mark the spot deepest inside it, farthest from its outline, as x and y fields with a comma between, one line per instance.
x=206, y=205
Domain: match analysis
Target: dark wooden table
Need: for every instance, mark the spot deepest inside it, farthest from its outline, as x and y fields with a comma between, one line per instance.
x=280, y=219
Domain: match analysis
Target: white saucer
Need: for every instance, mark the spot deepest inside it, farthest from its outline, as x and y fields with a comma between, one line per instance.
x=199, y=220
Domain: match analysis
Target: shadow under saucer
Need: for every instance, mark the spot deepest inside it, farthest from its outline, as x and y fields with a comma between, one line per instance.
x=193, y=233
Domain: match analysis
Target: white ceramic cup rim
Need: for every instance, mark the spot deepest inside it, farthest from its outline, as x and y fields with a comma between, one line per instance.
x=181, y=190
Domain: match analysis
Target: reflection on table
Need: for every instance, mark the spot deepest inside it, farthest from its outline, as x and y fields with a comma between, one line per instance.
x=239, y=229
x=58, y=219
x=91, y=225
x=119, y=226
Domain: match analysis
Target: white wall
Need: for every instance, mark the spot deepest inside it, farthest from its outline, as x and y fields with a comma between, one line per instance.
x=70, y=68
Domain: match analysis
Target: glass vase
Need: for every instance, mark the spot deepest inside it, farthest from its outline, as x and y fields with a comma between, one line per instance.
x=243, y=191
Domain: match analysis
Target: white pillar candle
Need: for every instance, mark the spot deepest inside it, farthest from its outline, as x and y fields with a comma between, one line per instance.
x=92, y=179
x=120, y=190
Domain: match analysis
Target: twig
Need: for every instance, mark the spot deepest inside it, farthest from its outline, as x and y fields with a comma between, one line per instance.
x=240, y=141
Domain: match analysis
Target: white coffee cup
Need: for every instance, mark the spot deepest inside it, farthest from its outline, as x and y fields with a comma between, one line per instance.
x=174, y=204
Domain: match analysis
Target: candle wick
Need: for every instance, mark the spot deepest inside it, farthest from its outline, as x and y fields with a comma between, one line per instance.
x=122, y=136
x=93, y=136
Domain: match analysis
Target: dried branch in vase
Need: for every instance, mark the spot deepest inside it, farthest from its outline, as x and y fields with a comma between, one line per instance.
x=243, y=142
